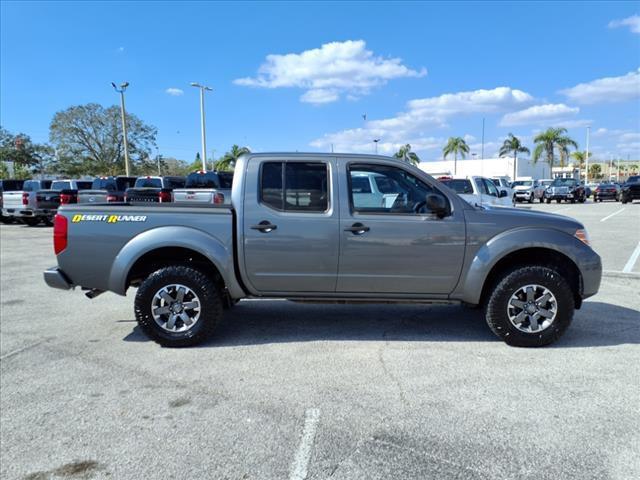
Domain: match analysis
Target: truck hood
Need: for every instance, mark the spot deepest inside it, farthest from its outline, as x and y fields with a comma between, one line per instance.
x=509, y=218
x=522, y=188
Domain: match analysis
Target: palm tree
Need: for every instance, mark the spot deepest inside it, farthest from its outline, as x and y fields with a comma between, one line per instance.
x=581, y=159
x=513, y=144
x=407, y=155
x=455, y=145
x=549, y=141
x=229, y=159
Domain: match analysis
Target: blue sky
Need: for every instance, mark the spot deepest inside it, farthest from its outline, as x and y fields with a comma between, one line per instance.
x=299, y=76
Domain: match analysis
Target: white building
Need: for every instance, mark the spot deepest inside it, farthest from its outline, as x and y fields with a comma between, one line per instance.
x=488, y=167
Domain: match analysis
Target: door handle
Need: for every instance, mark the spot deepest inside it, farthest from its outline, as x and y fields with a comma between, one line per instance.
x=264, y=226
x=357, y=229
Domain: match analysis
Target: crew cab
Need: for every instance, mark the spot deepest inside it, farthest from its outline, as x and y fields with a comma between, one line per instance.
x=25, y=205
x=302, y=227
x=479, y=191
x=153, y=189
x=568, y=189
x=631, y=189
x=206, y=187
x=106, y=189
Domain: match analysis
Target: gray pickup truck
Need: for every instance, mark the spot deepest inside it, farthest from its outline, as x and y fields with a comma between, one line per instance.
x=300, y=227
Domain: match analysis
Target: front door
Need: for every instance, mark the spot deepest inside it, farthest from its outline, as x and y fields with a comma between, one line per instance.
x=391, y=242
x=291, y=228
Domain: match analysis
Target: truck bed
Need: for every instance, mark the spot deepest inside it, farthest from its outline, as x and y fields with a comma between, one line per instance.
x=100, y=232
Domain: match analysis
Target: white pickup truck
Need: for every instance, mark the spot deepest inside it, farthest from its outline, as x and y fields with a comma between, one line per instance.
x=479, y=191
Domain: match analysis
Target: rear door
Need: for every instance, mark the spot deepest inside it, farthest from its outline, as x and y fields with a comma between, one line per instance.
x=290, y=225
x=399, y=247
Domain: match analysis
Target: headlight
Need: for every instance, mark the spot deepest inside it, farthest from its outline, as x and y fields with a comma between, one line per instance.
x=582, y=235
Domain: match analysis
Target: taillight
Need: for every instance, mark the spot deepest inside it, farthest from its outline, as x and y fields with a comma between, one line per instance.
x=112, y=198
x=67, y=198
x=218, y=198
x=164, y=197
x=25, y=198
x=59, y=233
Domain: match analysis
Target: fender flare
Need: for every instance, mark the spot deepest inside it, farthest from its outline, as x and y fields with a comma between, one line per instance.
x=511, y=241
x=173, y=236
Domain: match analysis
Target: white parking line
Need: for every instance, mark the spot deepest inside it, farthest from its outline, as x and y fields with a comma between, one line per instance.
x=632, y=260
x=613, y=214
x=303, y=455
x=19, y=350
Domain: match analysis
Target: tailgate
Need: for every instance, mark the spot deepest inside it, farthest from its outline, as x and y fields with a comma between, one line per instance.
x=48, y=199
x=195, y=195
x=92, y=196
x=143, y=195
x=12, y=200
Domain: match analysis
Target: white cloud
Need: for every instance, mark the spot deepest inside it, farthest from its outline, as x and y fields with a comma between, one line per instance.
x=421, y=115
x=629, y=137
x=120, y=49
x=606, y=90
x=632, y=148
x=327, y=72
x=633, y=22
x=549, y=113
x=174, y=92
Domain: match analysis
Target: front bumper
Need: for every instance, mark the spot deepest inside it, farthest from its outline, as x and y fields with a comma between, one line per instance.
x=590, y=266
x=560, y=196
x=56, y=278
x=526, y=195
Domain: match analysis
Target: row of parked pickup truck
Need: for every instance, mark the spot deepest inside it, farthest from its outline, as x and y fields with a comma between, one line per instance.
x=36, y=201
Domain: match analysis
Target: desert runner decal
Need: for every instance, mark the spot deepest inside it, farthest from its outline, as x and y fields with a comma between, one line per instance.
x=108, y=218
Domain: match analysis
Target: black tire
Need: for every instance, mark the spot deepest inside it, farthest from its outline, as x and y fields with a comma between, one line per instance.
x=558, y=200
x=499, y=297
x=531, y=199
x=624, y=200
x=208, y=294
x=6, y=220
x=48, y=222
x=548, y=200
x=31, y=221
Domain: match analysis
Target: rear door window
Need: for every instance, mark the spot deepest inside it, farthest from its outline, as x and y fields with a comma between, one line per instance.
x=61, y=185
x=144, y=182
x=203, y=180
x=295, y=186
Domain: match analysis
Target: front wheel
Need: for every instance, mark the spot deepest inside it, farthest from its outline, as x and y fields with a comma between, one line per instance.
x=530, y=307
x=178, y=306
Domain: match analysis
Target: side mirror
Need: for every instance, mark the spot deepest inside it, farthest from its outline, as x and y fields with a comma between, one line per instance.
x=437, y=204
x=502, y=194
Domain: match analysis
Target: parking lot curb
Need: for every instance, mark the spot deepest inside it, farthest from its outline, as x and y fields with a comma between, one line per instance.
x=614, y=274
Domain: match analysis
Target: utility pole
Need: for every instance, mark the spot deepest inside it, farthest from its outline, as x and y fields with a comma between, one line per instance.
x=202, y=88
x=123, y=114
x=586, y=158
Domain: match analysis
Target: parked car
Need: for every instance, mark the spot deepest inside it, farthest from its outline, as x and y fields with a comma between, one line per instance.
x=631, y=189
x=8, y=185
x=479, y=191
x=205, y=187
x=106, y=189
x=25, y=206
x=504, y=183
x=524, y=190
x=296, y=230
x=154, y=189
x=543, y=184
x=607, y=191
x=568, y=189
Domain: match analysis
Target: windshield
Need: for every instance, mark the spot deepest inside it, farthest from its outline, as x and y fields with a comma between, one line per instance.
x=145, y=182
x=563, y=182
x=459, y=185
x=522, y=183
x=104, y=184
x=203, y=180
x=61, y=185
x=634, y=179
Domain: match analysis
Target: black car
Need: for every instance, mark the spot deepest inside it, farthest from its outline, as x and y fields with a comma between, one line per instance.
x=607, y=191
x=631, y=189
x=568, y=189
x=154, y=189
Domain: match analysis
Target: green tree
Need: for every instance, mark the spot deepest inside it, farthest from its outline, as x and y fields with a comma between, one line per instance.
x=580, y=158
x=229, y=159
x=455, y=145
x=27, y=157
x=512, y=144
x=551, y=140
x=88, y=139
x=595, y=171
x=407, y=155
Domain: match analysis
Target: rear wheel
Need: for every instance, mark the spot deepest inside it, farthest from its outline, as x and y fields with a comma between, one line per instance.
x=530, y=307
x=178, y=306
x=548, y=200
x=558, y=200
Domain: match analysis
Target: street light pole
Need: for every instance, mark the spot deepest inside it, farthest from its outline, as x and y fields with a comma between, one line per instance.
x=202, y=88
x=375, y=141
x=123, y=114
x=586, y=160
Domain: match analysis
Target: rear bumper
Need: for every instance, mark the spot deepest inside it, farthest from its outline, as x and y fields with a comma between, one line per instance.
x=55, y=278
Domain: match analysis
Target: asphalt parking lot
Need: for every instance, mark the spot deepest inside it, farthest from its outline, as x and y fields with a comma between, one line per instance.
x=287, y=390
